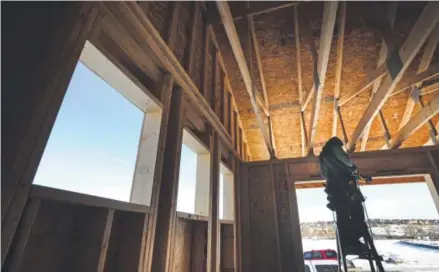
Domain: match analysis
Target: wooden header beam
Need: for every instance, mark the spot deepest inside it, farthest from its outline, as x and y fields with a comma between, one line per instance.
x=375, y=181
x=418, y=35
x=411, y=161
x=329, y=16
x=232, y=35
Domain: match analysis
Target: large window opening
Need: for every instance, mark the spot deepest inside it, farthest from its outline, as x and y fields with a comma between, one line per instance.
x=403, y=218
x=93, y=146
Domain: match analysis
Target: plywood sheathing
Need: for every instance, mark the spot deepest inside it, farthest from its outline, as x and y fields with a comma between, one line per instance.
x=276, y=40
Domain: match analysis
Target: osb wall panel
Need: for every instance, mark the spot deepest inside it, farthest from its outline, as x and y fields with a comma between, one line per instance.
x=182, y=246
x=264, y=240
x=124, y=248
x=64, y=237
x=227, y=248
x=277, y=42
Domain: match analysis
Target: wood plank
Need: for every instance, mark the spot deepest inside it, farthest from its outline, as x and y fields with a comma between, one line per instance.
x=227, y=248
x=212, y=227
x=329, y=16
x=258, y=59
x=183, y=245
x=339, y=64
x=64, y=237
x=409, y=107
x=419, y=33
x=199, y=247
x=125, y=244
x=429, y=50
x=43, y=192
x=232, y=35
x=244, y=215
x=422, y=117
x=105, y=240
x=343, y=129
x=163, y=212
x=298, y=65
x=264, y=250
x=411, y=161
x=375, y=181
x=253, y=10
x=33, y=39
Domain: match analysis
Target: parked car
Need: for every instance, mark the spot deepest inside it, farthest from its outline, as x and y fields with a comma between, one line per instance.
x=325, y=266
x=321, y=254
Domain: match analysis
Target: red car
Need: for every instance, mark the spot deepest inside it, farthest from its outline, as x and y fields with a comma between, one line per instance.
x=321, y=254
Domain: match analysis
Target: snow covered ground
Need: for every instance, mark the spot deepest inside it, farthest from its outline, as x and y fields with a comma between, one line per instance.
x=413, y=259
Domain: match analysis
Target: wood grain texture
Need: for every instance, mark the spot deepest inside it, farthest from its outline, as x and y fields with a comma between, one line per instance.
x=125, y=243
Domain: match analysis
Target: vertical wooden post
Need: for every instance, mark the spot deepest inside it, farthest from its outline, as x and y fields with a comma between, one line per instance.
x=235, y=130
x=433, y=156
x=229, y=113
x=212, y=229
x=206, y=52
x=106, y=240
x=237, y=215
x=164, y=193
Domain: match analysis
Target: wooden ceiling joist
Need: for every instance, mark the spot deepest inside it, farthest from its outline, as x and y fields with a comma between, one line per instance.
x=238, y=53
x=422, y=117
x=429, y=49
x=391, y=15
x=262, y=78
x=417, y=37
x=341, y=28
x=253, y=10
x=299, y=81
x=328, y=23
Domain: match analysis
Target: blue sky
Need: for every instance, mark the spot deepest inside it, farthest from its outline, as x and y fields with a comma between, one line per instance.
x=93, y=147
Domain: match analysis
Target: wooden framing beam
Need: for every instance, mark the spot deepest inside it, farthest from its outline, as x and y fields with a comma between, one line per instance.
x=261, y=75
x=409, y=107
x=422, y=117
x=429, y=49
x=258, y=59
x=341, y=28
x=190, y=49
x=303, y=137
x=232, y=35
x=375, y=181
x=418, y=35
x=329, y=16
x=160, y=235
x=381, y=163
x=252, y=10
x=213, y=225
x=433, y=130
x=391, y=14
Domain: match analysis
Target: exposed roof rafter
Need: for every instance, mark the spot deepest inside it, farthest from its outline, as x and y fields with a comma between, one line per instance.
x=232, y=35
x=418, y=35
x=422, y=117
x=328, y=23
